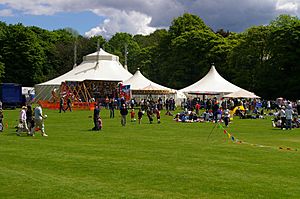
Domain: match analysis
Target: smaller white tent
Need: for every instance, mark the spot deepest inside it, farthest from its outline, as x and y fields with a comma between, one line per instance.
x=241, y=94
x=138, y=82
x=212, y=83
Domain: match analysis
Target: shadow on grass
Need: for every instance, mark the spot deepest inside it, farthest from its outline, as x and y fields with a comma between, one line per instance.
x=279, y=129
x=23, y=134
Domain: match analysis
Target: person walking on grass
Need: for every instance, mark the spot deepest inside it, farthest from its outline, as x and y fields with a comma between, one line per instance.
x=158, y=115
x=111, y=107
x=29, y=119
x=124, y=113
x=132, y=115
x=22, y=122
x=150, y=115
x=61, y=105
x=69, y=104
x=39, y=121
x=140, y=115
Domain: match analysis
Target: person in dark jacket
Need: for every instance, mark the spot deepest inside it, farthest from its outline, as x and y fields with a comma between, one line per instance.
x=29, y=117
x=69, y=105
x=124, y=113
x=111, y=106
x=96, y=118
x=61, y=105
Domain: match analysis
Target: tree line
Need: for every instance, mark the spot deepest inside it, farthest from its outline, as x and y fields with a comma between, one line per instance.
x=263, y=59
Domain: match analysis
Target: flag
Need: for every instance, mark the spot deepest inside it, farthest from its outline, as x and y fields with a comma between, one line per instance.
x=125, y=92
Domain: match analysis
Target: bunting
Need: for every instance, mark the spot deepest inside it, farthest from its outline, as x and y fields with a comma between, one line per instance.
x=237, y=141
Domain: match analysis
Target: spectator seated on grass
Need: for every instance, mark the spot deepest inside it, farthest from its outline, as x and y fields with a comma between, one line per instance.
x=207, y=116
x=169, y=113
x=187, y=117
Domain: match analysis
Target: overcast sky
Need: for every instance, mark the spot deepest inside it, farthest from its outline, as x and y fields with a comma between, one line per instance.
x=106, y=17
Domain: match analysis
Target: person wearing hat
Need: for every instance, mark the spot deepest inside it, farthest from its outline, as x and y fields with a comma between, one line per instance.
x=289, y=116
x=282, y=117
x=22, y=122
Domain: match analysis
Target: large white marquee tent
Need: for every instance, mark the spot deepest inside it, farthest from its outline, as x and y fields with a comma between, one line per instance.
x=101, y=66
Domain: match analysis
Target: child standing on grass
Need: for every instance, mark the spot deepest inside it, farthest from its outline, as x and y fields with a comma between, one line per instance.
x=226, y=117
x=140, y=115
x=158, y=116
x=132, y=115
x=100, y=124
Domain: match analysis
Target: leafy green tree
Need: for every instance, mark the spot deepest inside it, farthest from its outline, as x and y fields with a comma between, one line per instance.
x=186, y=23
x=187, y=52
x=149, y=57
x=248, y=58
x=3, y=29
x=2, y=69
x=117, y=45
x=23, y=56
x=150, y=40
x=284, y=59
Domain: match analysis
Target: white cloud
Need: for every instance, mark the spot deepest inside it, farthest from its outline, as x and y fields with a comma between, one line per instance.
x=6, y=13
x=137, y=16
x=287, y=5
x=99, y=30
x=39, y=7
x=121, y=21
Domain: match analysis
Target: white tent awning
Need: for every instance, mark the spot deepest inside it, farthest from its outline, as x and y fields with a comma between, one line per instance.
x=241, y=94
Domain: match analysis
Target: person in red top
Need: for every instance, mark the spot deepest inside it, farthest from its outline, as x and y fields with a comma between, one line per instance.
x=197, y=107
x=158, y=116
x=132, y=115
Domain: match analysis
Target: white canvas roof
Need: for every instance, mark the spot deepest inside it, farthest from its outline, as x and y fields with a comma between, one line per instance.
x=241, y=94
x=212, y=82
x=139, y=82
x=96, y=66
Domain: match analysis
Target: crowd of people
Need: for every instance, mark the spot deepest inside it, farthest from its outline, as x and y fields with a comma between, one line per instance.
x=147, y=107
x=193, y=110
x=31, y=121
x=286, y=116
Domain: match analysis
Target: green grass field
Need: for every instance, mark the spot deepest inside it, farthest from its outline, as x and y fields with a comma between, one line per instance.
x=167, y=160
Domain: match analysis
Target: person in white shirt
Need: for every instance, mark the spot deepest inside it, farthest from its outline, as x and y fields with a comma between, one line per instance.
x=39, y=121
x=226, y=117
x=22, y=122
x=289, y=116
x=282, y=117
x=268, y=105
